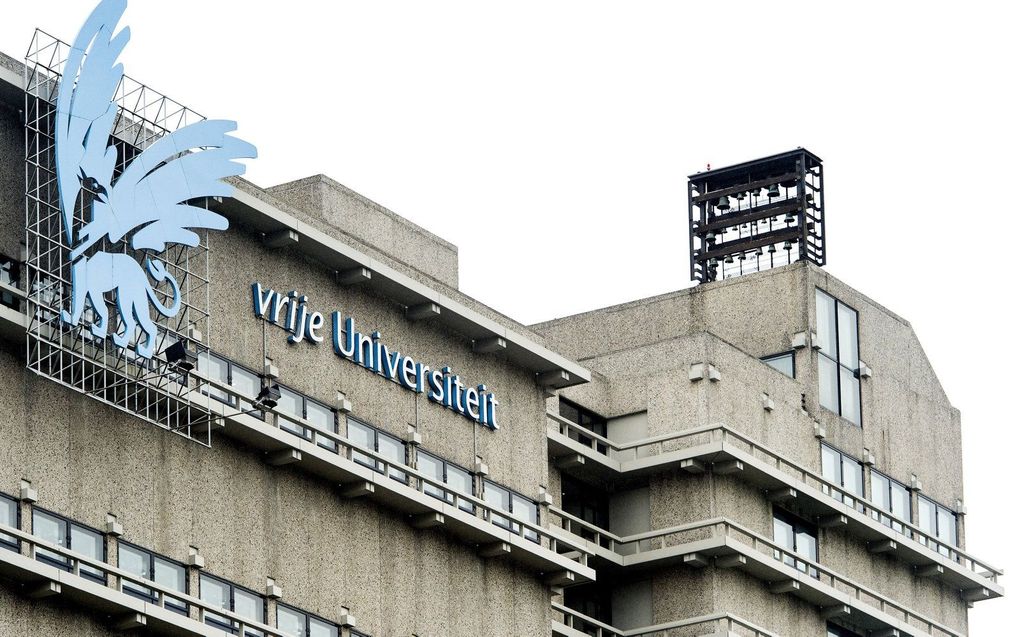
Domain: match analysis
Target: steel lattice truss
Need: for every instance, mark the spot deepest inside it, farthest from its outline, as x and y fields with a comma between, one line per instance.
x=73, y=356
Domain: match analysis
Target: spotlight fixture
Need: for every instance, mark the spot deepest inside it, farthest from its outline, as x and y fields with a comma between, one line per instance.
x=269, y=396
x=180, y=357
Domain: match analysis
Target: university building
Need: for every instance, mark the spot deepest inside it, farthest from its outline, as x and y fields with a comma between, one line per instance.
x=329, y=438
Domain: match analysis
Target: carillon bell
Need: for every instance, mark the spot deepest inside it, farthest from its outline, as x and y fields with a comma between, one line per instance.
x=787, y=246
x=740, y=196
x=728, y=259
x=724, y=203
x=773, y=191
x=772, y=249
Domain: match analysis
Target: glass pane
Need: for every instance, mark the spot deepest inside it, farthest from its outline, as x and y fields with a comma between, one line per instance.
x=249, y=605
x=850, y=396
x=461, y=482
x=782, y=533
x=393, y=450
x=526, y=510
x=318, y=628
x=8, y=517
x=880, y=491
x=900, y=501
x=136, y=562
x=782, y=363
x=291, y=403
x=853, y=476
x=290, y=621
x=825, y=314
x=926, y=515
x=216, y=594
x=848, y=354
x=46, y=527
x=498, y=498
x=90, y=544
x=172, y=576
x=433, y=468
x=807, y=544
x=361, y=435
x=828, y=389
x=830, y=465
x=214, y=367
x=247, y=384
x=323, y=418
x=947, y=526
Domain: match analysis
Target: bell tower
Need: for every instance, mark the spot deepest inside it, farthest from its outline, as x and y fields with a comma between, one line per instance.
x=757, y=215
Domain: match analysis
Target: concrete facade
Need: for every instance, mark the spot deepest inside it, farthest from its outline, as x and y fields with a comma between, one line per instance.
x=703, y=444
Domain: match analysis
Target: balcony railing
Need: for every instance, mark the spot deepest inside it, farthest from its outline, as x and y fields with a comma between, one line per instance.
x=621, y=453
x=719, y=536
x=717, y=624
x=396, y=476
x=113, y=598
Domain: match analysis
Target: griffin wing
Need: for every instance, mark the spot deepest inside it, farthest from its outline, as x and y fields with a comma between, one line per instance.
x=151, y=195
x=85, y=106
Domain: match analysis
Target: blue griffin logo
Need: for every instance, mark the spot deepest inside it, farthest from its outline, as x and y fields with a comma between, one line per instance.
x=146, y=207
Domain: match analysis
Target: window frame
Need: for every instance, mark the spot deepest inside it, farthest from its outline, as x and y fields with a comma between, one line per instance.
x=232, y=628
x=798, y=526
x=449, y=495
x=512, y=523
x=308, y=617
x=67, y=524
x=855, y=371
x=792, y=354
x=306, y=433
x=9, y=541
x=169, y=602
x=586, y=419
x=895, y=522
x=231, y=400
x=843, y=457
x=373, y=463
x=935, y=532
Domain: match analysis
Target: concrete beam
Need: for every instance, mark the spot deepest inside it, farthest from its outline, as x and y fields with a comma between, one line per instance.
x=283, y=457
x=555, y=378
x=280, y=239
x=423, y=311
x=489, y=345
x=975, y=594
x=696, y=560
x=560, y=578
x=569, y=461
x=882, y=546
x=131, y=621
x=731, y=561
x=353, y=276
x=830, y=521
x=929, y=570
x=428, y=520
x=496, y=549
x=44, y=590
x=781, y=495
x=692, y=465
x=833, y=612
x=727, y=467
x=784, y=586
x=357, y=489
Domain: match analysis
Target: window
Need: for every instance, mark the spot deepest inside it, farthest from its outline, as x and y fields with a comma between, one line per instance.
x=389, y=447
x=516, y=505
x=892, y=496
x=225, y=595
x=8, y=517
x=844, y=471
x=300, y=406
x=80, y=539
x=459, y=480
x=839, y=385
x=160, y=570
x=833, y=630
x=937, y=521
x=782, y=363
x=587, y=419
x=293, y=622
x=246, y=382
x=798, y=537
x=10, y=272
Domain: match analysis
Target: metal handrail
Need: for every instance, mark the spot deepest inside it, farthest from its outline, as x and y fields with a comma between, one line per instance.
x=727, y=621
x=117, y=577
x=807, y=476
x=724, y=528
x=384, y=465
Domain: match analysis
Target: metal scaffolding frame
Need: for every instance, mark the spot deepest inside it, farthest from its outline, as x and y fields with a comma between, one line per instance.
x=73, y=356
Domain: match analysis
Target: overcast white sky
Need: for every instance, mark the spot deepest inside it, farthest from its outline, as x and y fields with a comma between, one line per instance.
x=551, y=142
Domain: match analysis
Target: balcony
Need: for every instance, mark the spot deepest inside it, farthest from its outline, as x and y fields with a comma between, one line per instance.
x=726, y=544
x=40, y=580
x=723, y=450
x=568, y=622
